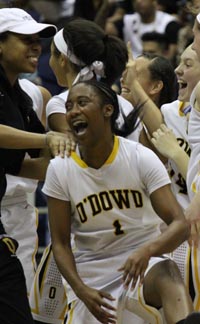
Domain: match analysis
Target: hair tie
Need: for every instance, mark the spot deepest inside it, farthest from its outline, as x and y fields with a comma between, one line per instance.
x=89, y=71
x=62, y=46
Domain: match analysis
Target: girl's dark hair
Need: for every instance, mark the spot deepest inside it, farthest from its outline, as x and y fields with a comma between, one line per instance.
x=109, y=96
x=89, y=43
x=161, y=69
x=4, y=36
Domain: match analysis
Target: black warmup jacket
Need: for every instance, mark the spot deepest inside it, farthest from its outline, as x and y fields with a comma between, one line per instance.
x=16, y=110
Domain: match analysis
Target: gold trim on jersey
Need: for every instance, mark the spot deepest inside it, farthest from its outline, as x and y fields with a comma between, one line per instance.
x=38, y=289
x=196, y=280
x=36, y=242
x=180, y=108
x=157, y=319
x=110, y=159
x=193, y=187
x=114, y=151
x=36, y=292
x=71, y=312
x=187, y=266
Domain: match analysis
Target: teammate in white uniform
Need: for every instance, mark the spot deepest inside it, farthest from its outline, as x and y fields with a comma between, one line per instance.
x=19, y=217
x=193, y=171
x=114, y=177
x=193, y=181
x=102, y=55
x=40, y=301
x=175, y=115
x=188, y=73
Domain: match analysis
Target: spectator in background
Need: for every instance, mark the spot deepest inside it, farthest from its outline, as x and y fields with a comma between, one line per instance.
x=169, y=6
x=187, y=15
x=147, y=19
x=56, y=12
x=155, y=43
x=100, y=10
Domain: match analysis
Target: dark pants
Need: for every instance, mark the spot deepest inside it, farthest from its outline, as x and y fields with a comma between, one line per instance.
x=14, y=305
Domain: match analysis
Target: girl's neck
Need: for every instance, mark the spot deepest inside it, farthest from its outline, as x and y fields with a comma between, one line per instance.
x=96, y=156
x=12, y=77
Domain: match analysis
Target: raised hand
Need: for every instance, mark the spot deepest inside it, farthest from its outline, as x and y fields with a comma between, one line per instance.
x=129, y=75
x=165, y=141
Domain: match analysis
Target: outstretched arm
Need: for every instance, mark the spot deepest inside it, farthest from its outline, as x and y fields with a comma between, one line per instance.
x=177, y=231
x=60, y=226
x=36, y=168
x=152, y=116
x=12, y=138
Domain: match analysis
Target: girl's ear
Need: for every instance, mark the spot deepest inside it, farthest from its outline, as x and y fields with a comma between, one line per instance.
x=108, y=110
x=156, y=87
x=63, y=60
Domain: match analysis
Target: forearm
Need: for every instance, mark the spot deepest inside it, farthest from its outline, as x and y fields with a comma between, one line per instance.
x=13, y=138
x=175, y=234
x=34, y=168
x=67, y=267
x=181, y=159
x=102, y=14
x=178, y=229
x=151, y=117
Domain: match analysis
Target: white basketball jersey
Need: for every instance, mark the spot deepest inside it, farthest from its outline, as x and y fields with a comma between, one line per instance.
x=108, y=206
x=176, y=120
x=193, y=174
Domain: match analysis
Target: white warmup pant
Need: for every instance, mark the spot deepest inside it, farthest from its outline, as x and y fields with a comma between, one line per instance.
x=20, y=220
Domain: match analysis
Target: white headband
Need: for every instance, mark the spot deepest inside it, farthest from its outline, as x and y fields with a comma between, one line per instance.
x=63, y=48
x=87, y=72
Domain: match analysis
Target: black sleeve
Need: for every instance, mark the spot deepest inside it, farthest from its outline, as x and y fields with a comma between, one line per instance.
x=34, y=126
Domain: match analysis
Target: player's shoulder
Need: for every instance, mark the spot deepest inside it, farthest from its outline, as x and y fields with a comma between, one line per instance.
x=165, y=16
x=28, y=86
x=130, y=146
x=60, y=97
x=58, y=161
x=171, y=106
